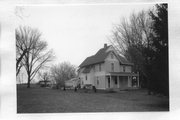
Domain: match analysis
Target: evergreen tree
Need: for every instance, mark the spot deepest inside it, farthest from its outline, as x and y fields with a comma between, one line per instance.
x=159, y=63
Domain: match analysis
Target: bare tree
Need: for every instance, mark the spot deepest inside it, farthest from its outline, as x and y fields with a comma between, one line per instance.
x=62, y=72
x=31, y=51
x=132, y=37
x=133, y=31
x=43, y=76
x=23, y=44
x=21, y=49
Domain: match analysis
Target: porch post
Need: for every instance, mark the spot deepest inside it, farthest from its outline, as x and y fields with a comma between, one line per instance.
x=110, y=81
x=105, y=81
x=129, y=81
x=118, y=81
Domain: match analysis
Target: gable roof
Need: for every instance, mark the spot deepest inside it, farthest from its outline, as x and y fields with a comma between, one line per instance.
x=100, y=57
x=97, y=58
x=123, y=60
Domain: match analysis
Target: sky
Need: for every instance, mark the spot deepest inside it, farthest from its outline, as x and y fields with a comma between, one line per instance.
x=75, y=32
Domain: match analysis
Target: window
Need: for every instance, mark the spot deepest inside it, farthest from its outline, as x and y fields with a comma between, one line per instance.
x=97, y=81
x=108, y=82
x=112, y=67
x=99, y=67
x=124, y=68
x=86, y=77
x=112, y=56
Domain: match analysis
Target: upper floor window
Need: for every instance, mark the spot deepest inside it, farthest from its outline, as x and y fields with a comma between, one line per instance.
x=97, y=81
x=124, y=69
x=86, y=77
x=99, y=67
x=112, y=67
x=112, y=56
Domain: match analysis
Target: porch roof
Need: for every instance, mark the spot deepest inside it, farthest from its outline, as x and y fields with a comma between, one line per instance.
x=122, y=74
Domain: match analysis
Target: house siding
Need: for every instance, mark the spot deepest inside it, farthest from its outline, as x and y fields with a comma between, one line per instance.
x=100, y=82
x=127, y=68
x=96, y=66
x=109, y=61
x=117, y=66
x=90, y=77
x=99, y=73
x=106, y=83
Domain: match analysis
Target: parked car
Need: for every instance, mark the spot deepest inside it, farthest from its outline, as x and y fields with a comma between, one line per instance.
x=72, y=83
x=89, y=87
x=45, y=83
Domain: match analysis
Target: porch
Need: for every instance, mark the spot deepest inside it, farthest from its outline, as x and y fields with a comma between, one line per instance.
x=121, y=80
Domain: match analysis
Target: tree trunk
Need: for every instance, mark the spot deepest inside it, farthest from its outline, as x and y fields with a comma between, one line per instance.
x=19, y=60
x=28, y=84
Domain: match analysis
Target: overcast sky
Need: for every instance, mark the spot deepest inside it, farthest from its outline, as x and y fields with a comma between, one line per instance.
x=75, y=32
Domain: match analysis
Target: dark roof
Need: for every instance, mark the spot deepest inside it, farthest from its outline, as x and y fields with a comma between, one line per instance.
x=99, y=57
x=87, y=61
x=86, y=70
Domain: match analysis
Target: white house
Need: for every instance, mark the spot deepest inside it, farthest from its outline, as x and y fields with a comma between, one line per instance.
x=107, y=69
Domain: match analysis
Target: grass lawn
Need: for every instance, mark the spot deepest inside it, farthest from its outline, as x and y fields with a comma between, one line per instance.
x=47, y=100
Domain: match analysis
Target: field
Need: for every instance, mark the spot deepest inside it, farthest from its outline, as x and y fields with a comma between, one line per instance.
x=47, y=100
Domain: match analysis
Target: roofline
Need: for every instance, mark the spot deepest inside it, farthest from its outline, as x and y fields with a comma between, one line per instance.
x=128, y=63
x=131, y=64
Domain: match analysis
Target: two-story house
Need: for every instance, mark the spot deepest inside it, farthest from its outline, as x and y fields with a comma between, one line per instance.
x=107, y=69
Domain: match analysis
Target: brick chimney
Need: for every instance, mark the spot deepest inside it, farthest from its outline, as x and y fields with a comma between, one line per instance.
x=105, y=45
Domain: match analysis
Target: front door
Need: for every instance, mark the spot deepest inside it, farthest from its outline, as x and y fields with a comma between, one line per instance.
x=115, y=82
x=108, y=82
